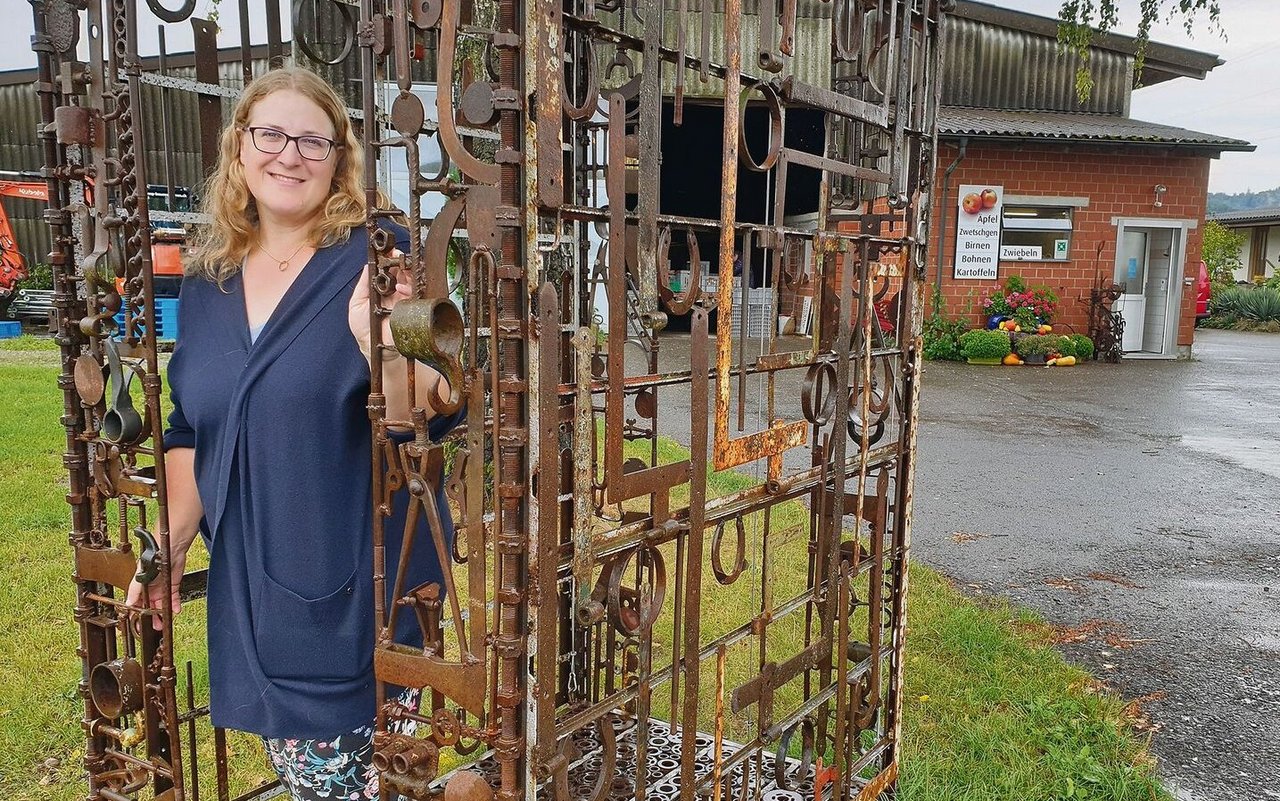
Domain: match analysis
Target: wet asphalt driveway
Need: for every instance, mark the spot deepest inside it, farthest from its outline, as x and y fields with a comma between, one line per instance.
x=1134, y=505
x=1140, y=503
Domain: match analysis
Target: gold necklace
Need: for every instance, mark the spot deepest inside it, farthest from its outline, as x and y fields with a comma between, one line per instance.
x=283, y=264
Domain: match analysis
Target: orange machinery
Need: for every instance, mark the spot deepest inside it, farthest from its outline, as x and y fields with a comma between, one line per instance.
x=166, y=242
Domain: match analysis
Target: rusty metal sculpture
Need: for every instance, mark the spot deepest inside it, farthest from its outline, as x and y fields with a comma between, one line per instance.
x=620, y=622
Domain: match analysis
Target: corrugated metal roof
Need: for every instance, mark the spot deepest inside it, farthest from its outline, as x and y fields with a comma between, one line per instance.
x=991, y=66
x=1163, y=62
x=1234, y=219
x=1071, y=127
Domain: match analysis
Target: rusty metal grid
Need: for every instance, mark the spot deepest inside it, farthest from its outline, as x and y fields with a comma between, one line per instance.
x=727, y=614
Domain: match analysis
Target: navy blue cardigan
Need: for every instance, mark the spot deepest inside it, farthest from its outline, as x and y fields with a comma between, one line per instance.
x=282, y=460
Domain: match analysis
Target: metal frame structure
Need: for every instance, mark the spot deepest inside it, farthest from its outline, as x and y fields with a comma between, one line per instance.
x=618, y=622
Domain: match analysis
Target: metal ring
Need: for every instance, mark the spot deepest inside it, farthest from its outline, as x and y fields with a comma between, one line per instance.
x=183, y=11
x=628, y=624
x=817, y=401
x=348, y=32
x=445, y=727
x=775, y=127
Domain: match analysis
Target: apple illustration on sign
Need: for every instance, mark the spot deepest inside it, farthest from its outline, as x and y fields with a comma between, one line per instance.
x=971, y=203
x=989, y=198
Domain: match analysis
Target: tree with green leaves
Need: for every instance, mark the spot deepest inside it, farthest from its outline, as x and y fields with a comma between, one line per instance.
x=1078, y=20
x=1221, y=252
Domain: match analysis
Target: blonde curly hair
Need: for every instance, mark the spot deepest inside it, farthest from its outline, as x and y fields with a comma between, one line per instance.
x=232, y=232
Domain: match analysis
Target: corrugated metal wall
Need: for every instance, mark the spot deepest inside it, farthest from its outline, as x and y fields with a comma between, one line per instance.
x=811, y=62
x=19, y=150
x=20, y=112
x=990, y=67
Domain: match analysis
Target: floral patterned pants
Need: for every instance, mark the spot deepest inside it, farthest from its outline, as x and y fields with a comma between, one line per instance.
x=335, y=769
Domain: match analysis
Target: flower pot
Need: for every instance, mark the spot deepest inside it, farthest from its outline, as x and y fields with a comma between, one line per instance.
x=984, y=360
x=1034, y=359
x=994, y=321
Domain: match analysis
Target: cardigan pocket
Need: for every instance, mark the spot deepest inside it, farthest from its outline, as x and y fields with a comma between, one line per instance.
x=328, y=638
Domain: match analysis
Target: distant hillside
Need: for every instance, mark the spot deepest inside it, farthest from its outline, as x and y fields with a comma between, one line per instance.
x=1220, y=201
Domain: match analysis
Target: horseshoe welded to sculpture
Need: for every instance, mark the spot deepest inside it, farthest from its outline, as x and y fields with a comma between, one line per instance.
x=179, y=14
x=679, y=303
x=730, y=575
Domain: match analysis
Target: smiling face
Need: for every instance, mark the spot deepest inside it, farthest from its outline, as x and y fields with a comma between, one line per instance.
x=287, y=188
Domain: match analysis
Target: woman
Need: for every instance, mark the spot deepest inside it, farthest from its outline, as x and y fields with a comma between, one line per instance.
x=269, y=443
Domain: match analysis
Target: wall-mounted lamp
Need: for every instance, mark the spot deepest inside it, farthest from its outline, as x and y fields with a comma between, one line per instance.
x=1160, y=190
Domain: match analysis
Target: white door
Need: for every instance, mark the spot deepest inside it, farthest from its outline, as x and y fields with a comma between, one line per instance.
x=1159, y=284
x=1131, y=273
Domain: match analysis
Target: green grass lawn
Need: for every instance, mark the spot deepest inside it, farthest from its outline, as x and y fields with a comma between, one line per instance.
x=991, y=711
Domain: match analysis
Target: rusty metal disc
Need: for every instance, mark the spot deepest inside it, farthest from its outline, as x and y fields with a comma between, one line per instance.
x=425, y=14
x=407, y=114
x=476, y=105
x=467, y=785
x=63, y=26
x=647, y=404
x=90, y=383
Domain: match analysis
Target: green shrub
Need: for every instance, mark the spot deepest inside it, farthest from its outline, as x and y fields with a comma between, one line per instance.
x=982, y=344
x=940, y=335
x=1244, y=307
x=1037, y=345
x=1260, y=305
x=1064, y=346
x=1083, y=346
x=1226, y=303
x=39, y=276
x=942, y=338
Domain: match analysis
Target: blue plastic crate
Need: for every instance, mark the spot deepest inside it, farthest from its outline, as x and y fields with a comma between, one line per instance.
x=166, y=318
x=10, y=329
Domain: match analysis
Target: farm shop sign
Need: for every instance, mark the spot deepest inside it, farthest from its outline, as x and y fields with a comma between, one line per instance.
x=978, y=232
x=1021, y=252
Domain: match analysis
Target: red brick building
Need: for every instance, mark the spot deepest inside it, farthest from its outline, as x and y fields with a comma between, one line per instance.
x=1086, y=194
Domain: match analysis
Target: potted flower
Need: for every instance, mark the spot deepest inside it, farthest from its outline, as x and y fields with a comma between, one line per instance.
x=995, y=307
x=1035, y=348
x=981, y=346
x=1031, y=308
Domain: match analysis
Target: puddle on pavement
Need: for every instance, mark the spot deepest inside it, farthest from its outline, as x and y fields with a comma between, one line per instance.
x=1254, y=456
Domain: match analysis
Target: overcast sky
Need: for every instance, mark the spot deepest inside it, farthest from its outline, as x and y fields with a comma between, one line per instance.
x=1240, y=99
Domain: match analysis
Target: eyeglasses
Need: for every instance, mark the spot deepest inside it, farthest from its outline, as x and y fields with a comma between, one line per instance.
x=310, y=147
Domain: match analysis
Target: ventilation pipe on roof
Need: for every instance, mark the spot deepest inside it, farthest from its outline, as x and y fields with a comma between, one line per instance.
x=942, y=211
